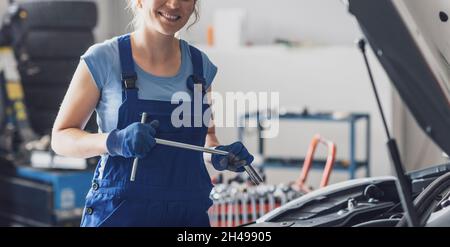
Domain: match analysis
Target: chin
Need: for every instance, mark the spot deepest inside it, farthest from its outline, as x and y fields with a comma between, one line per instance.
x=168, y=32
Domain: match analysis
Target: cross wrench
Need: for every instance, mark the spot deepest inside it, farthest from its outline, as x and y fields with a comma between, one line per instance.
x=254, y=176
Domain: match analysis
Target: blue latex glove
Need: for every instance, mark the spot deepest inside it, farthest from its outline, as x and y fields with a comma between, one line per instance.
x=134, y=141
x=235, y=161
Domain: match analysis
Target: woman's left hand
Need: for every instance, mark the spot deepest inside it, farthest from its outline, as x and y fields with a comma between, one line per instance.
x=236, y=160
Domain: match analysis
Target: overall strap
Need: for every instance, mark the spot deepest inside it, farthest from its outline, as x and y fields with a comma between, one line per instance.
x=197, y=64
x=197, y=84
x=129, y=76
x=197, y=61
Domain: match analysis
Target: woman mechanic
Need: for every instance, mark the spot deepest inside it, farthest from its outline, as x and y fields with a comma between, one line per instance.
x=122, y=78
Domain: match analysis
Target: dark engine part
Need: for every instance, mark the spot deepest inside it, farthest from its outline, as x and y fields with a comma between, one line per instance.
x=344, y=204
x=369, y=202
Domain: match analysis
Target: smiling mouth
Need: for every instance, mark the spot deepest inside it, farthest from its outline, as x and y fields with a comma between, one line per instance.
x=171, y=18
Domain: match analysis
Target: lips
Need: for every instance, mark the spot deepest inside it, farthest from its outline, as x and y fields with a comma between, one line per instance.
x=169, y=17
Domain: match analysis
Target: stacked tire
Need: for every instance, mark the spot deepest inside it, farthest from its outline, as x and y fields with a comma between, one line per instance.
x=48, y=39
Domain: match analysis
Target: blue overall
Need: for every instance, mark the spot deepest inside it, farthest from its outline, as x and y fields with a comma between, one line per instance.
x=172, y=185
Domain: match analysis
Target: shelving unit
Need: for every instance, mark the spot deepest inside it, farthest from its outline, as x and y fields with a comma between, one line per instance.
x=351, y=166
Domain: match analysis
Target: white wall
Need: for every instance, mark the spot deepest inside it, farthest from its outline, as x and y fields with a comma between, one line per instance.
x=3, y=6
x=323, y=21
x=111, y=19
x=331, y=78
x=320, y=21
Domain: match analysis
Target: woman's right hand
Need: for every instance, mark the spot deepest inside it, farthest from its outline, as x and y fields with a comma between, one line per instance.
x=135, y=141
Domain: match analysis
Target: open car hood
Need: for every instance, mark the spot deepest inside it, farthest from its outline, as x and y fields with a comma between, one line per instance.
x=412, y=41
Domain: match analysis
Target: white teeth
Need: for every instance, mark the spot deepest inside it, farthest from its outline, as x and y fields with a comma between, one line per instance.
x=170, y=17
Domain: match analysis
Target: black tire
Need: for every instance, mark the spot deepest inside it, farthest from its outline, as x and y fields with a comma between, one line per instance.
x=52, y=45
x=2, y=101
x=44, y=98
x=5, y=36
x=56, y=15
x=41, y=121
x=48, y=73
x=92, y=126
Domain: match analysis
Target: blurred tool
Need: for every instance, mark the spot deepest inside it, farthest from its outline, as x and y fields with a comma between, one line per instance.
x=300, y=184
x=18, y=128
x=237, y=203
x=210, y=36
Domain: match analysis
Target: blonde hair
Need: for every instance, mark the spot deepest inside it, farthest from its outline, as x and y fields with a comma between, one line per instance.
x=138, y=20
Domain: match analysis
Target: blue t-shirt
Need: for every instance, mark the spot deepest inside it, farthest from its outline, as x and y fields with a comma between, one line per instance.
x=104, y=64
